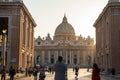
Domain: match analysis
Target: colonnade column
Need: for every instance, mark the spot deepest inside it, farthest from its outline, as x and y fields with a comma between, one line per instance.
x=42, y=56
x=84, y=57
x=57, y=55
x=78, y=57
x=48, y=56
x=70, y=58
x=66, y=56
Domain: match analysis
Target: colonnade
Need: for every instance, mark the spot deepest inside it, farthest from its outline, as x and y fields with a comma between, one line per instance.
x=70, y=57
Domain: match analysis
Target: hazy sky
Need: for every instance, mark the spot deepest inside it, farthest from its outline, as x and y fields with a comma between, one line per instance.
x=81, y=14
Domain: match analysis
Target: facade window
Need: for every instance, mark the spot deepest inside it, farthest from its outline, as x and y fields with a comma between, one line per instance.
x=88, y=43
x=68, y=61
x=0, y=53
x=75, y=61
x=52, y=60
x=38, y=43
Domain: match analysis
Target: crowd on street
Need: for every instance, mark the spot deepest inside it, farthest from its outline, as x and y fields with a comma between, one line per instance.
x=59, y=69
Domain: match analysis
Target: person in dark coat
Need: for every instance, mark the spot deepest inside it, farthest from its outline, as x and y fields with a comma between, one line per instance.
x=42, y=73
x=35, y=71
x=76, y=71
x=12, y=73
x=95, y=72
x=3, y=73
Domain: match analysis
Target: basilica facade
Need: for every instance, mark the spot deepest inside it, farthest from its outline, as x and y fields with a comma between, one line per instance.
x=75, y=50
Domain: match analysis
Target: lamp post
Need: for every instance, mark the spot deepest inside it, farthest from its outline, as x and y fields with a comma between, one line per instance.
x=4, y=46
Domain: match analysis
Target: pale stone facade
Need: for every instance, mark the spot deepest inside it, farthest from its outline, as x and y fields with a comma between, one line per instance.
x=76, y=50
x=108, y=36
x=16, y=19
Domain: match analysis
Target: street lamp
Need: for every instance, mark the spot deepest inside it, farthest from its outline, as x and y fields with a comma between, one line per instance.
x=4, y=46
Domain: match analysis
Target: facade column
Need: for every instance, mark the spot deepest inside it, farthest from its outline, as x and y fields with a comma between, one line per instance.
x=25, y=63
x=61, y=53
x=9, y=41
x=27, y=60
x=57, y=55
x=27, y=34
x=43, y=52
x=70, y=57
x=30, y=37
x=84, y=54
x=78, y=57
x=23, y=60
x=35, y=56
x=66, y=57
x=48, y=56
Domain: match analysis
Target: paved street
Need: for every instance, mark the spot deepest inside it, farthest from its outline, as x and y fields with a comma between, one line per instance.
x=83, y=75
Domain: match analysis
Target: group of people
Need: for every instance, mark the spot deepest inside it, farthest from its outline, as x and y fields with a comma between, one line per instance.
x=34, y=71
x=11, y=73
x=60, y=70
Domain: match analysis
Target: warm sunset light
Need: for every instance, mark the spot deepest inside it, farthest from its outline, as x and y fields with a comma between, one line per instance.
x=81, y=14
x=60, y=39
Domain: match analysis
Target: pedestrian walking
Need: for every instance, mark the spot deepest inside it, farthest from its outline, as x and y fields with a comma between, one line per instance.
x=113, y=71
x=42, y=73
x=60, y=69
x=76, y=72
x=95, y=72
x=3, y=73
x=35, y=71
x=12, y=72
x=50, y=69
x=30, y=71
x=26, y=71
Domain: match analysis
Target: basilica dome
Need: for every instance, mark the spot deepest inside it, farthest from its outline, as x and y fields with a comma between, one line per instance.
x=64, y=31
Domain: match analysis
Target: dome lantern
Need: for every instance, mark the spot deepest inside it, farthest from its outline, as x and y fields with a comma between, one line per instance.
x=64, y=19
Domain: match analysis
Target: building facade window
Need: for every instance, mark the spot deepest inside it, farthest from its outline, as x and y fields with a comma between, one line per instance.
x=0, y=53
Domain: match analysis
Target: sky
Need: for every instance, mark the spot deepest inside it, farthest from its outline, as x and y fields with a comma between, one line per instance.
x=81, y=14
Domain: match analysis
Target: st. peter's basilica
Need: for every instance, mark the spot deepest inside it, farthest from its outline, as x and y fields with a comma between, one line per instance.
x=76, y=50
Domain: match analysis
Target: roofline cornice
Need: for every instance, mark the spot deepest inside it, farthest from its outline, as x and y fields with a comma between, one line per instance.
x=21, y=4
x=104, y=10
x=25, y=8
